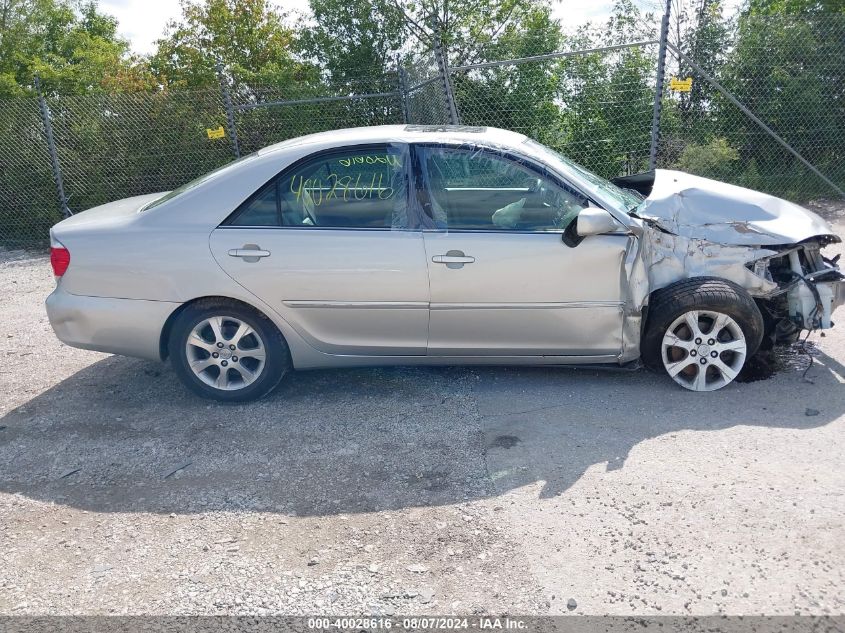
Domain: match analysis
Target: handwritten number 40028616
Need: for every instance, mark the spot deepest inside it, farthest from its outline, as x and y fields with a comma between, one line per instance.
x=344, y=188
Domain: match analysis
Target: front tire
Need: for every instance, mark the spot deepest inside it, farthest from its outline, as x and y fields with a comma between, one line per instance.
x=226, y=351
x=701, y=331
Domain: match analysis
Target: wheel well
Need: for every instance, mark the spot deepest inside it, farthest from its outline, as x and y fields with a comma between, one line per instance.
x=168, y=324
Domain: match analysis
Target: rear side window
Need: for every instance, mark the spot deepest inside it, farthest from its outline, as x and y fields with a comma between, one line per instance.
x=263, y=209
x=359, y=187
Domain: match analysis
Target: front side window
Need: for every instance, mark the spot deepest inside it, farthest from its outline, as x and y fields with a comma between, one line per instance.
x=624, y=199
x=479, y=189
x=360, y=187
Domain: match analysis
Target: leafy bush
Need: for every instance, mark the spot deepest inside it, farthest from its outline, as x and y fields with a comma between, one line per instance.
x=714, y=159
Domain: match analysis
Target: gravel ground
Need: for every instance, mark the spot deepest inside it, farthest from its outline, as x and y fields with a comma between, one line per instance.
x=404, y=491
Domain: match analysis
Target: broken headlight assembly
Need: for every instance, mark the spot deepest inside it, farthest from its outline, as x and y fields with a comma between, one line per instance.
x=809, y=287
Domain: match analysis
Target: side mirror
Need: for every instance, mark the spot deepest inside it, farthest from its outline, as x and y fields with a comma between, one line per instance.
x=595, y=221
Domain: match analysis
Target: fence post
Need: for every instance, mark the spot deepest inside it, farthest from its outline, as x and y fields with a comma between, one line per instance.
x=658, y=88
x=446, y=83
x=403, y=92
x=231, y=129
x=51, y=147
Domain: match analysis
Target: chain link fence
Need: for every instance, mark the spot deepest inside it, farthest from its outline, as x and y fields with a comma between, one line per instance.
x=270, y=114
x=768, y=114
x=28, y=200
x=427, y=102
x=121, y=145
x=594, y=105
x=788, y=73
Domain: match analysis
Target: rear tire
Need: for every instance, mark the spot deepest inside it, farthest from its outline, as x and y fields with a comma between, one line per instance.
x=701, y=331
x=226, y=351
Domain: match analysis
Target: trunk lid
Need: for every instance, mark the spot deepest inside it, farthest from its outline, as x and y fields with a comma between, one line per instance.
x=109, y=214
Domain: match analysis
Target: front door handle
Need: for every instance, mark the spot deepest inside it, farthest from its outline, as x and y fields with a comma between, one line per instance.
x=249, y=253
x=453, y=259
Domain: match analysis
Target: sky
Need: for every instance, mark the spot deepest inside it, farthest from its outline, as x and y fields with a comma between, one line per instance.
x=142, y=22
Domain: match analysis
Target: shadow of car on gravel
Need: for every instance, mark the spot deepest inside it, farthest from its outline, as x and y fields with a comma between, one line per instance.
x=122, y=435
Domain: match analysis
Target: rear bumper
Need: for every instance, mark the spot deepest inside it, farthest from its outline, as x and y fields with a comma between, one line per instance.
x=130, y=327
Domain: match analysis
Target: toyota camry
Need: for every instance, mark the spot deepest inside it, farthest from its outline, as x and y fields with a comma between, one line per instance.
x=432, y=245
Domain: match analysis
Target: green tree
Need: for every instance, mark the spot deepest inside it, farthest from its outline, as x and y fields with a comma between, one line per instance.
x=793, y=7
x=359, y=37
x=700, y=32
x=518, y=97
x=354, y=41
x=788, y=67
x=77, y=53
x=71, y=45
x=606, y=97
x=248, y=36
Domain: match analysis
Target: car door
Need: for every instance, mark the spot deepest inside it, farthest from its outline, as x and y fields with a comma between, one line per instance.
x=503, y=280
x=327, y=243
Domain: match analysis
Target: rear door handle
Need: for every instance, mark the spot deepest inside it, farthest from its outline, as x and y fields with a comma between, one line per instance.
x=453, y=259
x=249, y=253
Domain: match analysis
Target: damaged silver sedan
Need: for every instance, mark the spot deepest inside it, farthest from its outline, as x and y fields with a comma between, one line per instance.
x=424, y=245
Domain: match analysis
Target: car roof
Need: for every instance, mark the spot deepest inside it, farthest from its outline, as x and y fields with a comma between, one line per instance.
x=403, y=134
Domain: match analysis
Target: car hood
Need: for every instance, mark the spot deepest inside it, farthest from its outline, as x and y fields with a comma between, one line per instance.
x=700, y=208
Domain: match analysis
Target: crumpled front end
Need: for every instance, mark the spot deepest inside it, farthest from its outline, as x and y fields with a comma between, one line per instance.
x=693, y=227
x=809, y=287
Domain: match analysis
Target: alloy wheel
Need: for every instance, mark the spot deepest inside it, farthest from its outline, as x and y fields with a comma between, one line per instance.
x=225, y=353
x=703, y=350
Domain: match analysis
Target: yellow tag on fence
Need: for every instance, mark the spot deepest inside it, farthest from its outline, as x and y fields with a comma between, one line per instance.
x=218, y=133
x=680, y=85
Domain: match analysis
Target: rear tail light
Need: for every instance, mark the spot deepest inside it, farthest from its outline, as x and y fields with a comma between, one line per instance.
x=59, y=259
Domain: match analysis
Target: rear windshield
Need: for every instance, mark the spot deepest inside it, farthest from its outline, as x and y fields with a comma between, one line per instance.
x=196, y=182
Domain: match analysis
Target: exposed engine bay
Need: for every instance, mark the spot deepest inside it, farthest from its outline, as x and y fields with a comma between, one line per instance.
x=804, y=297
x=771, y=247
